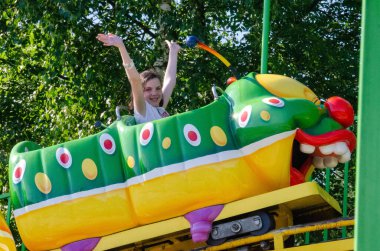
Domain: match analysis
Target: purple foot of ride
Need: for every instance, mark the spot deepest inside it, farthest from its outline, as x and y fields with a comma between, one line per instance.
x=82, y=245
x=201, y=222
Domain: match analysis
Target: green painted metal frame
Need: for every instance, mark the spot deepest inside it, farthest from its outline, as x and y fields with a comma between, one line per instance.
x=265, y=37
x=327, y=188
x=367, y=159
x=5, y=196
x=345, y=198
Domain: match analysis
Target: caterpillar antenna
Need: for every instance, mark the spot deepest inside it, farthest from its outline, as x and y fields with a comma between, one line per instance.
x=193, y=41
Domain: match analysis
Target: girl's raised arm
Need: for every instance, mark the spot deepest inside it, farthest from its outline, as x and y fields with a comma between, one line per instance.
x=132, y=74
x=171, y=72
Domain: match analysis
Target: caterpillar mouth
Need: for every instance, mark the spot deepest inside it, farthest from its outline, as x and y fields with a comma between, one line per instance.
x=321, y=151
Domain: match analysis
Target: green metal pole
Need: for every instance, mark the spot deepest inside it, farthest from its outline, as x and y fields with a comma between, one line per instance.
x=367, y=204
x=8, y=216
x=307, y=238
x=307, y=234
x=327, y=188
x=345, y=197
x=9, y=209
x=265, y=37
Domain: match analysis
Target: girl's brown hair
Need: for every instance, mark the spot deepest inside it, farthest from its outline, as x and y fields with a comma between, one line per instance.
x=148, y=75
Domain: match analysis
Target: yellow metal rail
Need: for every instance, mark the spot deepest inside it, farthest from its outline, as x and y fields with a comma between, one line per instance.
x=278, y=237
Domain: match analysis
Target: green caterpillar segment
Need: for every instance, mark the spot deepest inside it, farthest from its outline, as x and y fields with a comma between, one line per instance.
x=116, y=155
x=121, y=153
x=65, y=169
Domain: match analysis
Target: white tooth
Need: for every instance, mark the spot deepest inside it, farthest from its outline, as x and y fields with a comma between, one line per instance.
x=341, y=148
x=330, y=161
x=345, y=157
x=318, y=162
x=305, y=148
x=327, y=149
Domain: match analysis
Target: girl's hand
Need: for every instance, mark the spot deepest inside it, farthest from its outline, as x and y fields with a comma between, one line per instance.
x=173, y=46
x=110, y=40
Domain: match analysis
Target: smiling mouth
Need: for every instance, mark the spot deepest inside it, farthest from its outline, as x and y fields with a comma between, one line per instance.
x=155, y=100
x=322, y=151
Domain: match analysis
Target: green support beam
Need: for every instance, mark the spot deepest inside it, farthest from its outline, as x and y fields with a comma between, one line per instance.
x=367, y=204
x=265, y=37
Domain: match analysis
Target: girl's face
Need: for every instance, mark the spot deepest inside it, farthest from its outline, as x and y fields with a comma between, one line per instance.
x=153, y=92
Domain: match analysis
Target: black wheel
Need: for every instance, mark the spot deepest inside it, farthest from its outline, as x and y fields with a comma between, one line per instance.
x=212, y=242
x=267, y=223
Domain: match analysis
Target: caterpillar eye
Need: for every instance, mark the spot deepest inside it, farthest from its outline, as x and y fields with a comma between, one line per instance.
x=244, y=116
x=273, y=101
x=63, y=157
x=18, y=172
x=107, y=143
x=192, y=135
x=146, y=134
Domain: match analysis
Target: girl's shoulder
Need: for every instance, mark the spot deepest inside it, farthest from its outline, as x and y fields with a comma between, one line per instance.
x=151, y=113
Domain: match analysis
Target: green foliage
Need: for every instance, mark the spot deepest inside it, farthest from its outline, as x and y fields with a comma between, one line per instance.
x=318, y=43
x=56, y=80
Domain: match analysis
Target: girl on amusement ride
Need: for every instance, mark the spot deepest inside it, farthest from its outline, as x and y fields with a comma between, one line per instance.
x=150, y=95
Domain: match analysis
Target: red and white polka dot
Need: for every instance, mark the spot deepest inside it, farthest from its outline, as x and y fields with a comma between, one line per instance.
x=18, y=171
x=107, y=143
x=273, y=101
x=63, y=156
x=146, y=134
x=192, y=135
x=244, y=116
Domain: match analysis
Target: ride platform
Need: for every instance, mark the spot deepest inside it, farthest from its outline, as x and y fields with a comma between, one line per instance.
x=307, y=202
